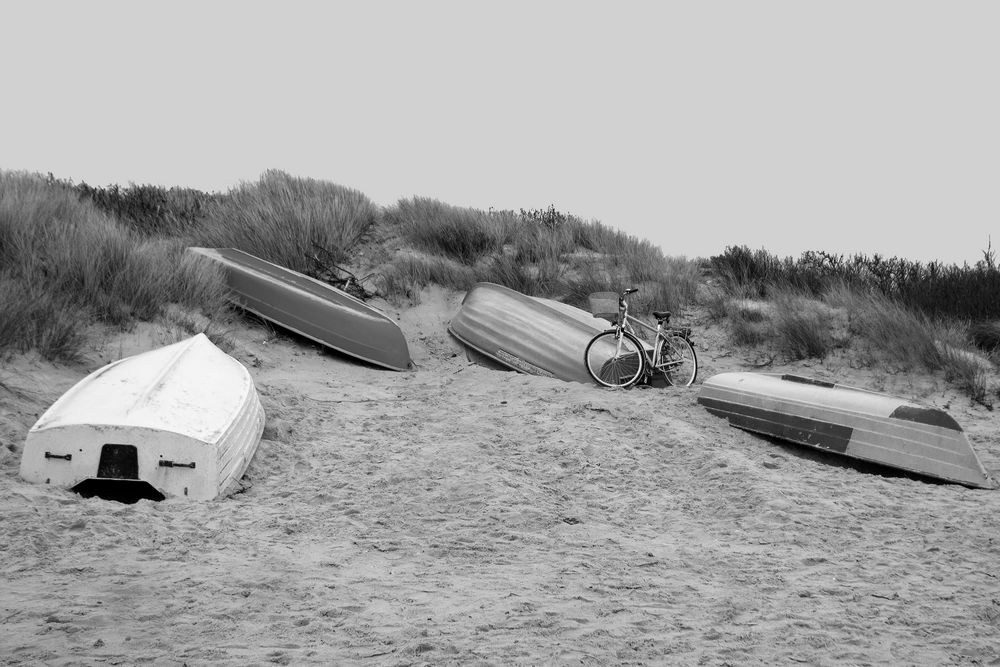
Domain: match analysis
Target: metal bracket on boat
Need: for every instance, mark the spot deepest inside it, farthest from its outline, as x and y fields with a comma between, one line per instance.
x=64, y=457
x=172, y=464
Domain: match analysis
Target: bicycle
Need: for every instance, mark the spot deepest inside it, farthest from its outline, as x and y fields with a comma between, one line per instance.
x=619, y=358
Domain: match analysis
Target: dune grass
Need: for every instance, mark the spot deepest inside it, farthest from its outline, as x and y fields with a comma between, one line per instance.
x=464, y=234
x=877, y=330
x=911, y=340
x=803, y=326
x=541, y=253
x=150, y=210
x=72, y=255
x=66, y=264
x=299, y=223
x=935, y=289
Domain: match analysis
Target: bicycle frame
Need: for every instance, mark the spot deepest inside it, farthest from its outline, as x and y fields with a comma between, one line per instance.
x=625, y=323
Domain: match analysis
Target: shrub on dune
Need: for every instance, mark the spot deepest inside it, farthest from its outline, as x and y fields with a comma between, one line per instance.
x=290, y=221
x=65, y=261
x=463, y=234
x=803, y=326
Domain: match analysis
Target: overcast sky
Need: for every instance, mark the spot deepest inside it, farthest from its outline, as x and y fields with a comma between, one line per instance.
x=848, y=126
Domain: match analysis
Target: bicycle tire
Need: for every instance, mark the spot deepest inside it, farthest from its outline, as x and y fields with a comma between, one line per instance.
x=615, y=362
x=675, y=359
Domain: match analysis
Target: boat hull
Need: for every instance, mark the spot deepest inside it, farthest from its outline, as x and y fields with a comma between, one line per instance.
x=524, y=333
x=184, y=419
x=860, y=424
x=311, y=308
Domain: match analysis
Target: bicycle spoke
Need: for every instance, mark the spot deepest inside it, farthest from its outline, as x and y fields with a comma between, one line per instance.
x=614, y=360
x=676, y=360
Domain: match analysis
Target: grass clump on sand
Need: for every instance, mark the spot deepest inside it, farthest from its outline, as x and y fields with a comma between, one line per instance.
x=899, y=313
x=910, y=340
x=300, y=223
x=463, y=234
x=538, y=252
x=65, y=263
x=936, y=289
x=151, y=210
x=795, y=325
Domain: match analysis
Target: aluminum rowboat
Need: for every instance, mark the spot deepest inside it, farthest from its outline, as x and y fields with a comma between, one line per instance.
x=524, y=333
x=311, y=308
x=861, y=424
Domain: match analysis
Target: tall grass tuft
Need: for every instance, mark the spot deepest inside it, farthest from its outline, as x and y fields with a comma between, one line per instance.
x=289, y=220
x=463, y=234
x=406, y=276
x=543, y=253
x=903, y=335
x=803, y=326
x=985, y=335
x=935, y=289
x=74, y=264
x=32, y=319
x=962, y=363
x=149, y=209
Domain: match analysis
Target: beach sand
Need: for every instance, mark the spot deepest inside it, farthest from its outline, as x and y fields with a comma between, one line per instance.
x=458, y=515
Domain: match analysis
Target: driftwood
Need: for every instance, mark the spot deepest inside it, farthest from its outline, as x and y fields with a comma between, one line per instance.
x=327, y=270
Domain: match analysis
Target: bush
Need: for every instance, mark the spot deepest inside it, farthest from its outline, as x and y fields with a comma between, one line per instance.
x=464, y=234
x=33, y=318
x=289, y=221
x=985, y=335
x=935, y=289
x=802, y=326
x=404, y=277
x=149, y=209
x=902, y=334
x=67, y=264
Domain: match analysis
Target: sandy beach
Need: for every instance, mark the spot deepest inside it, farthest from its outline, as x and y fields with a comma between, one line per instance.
x=458, y=515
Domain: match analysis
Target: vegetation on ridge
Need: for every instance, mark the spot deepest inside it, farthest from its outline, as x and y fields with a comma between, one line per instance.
x=72, y=254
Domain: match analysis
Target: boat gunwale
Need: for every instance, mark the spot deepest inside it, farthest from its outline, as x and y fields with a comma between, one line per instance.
x=326, y=287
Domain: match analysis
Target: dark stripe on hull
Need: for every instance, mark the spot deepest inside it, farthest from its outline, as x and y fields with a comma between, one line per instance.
x=928, y=416
x=803, y=380
x=811, y=432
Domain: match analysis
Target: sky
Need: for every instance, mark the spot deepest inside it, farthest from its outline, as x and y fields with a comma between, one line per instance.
x=845, y=126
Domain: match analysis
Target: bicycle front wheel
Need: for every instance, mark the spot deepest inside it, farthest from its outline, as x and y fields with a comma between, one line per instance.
x=615, y=360
x=675, y=358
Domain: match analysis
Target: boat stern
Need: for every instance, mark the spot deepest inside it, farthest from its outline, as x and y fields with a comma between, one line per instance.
x=119, y=463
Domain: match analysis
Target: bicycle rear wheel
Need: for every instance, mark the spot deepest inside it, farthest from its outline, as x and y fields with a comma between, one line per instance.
x=615, y=360
x=675, y=358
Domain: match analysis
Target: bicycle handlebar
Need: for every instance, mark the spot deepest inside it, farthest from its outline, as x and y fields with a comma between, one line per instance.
x=621, y=297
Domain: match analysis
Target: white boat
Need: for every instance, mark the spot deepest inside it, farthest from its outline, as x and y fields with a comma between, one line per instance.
x=853, y=422
x=179, y=421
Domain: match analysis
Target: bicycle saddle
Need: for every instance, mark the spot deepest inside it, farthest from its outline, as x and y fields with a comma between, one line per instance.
x=662, y=315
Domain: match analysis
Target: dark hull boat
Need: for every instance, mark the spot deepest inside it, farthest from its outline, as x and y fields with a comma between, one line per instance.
x=311, y=308
x=861, y=424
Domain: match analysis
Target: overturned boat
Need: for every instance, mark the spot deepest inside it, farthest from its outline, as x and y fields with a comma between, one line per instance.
x=180, y=421
x=861, y=424
x=311, y=308
x=527, y=334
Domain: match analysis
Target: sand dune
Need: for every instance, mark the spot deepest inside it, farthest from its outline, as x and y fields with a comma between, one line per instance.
x=457, y=515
